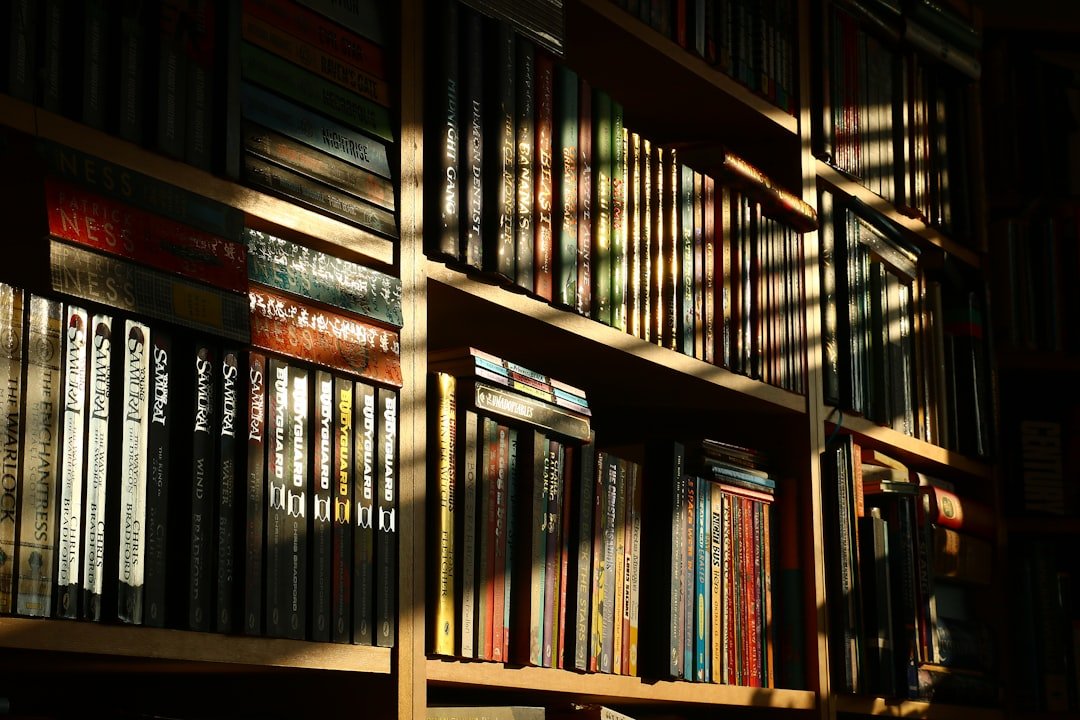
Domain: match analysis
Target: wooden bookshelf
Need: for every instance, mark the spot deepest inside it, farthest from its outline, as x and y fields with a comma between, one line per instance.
x=879, y=707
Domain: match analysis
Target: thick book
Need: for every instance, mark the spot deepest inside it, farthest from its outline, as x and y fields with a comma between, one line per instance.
x=12, y=323
x=255, y=492
x=296, y=535
x=543, y=146
x=619, y=221
x=345, y=342
x=320, y=505
x=500, y=139
x=158, y=474
x=72, y=467
x=469, y=447
x=278, y=456
x=201, y=37
x=444, y=430
x=230, y=405
x=98, y=465
x=169, y=100
x=202, y=433
x=564, y=177
x=21, y=79
x=491, y=712
x=443, y=204
x=367, y=18
x=39, y=491
x=471, y=122
x=876, y=558
x=365, y=419
x=343, y=470
x=602, y=146
x=386, y=528
x=585, y=198
x=131, y=288
x=525, y=163
x=504, y=402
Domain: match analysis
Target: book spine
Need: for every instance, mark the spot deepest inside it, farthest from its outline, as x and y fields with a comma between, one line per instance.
x=97, y=466
x=513, y=466
x=544, y=251
x=158, y=440
x=133, y=71
x=552, y=490
x=255, y=495
x=12, y=325
x=342, y=535
x=203, y=492
x=171, y=87
x=298, y=432
x=23, y=51
x=602, y=133
x=504, y=402
x=711, y=272
x=445, y=200
x=336, y=340
x=472, y=135
x=499, y=544
x=567, y=547
x=199, y=45
x=620, y=587
x=446, y=473
x=285, y=151
x=586, y=469
x=315, y=130
x=223, y=540
x=132, y=498
x=538, y=556
x=278, y=458
x=72, y=467
x=364, y=440
x=364, y=17
x=565, y=179
x=317, y=196
x=320, y=506
x=486, y=593
x=501, y=141
x=465, y=530
x=685, y=288
x=96, y=88
x=716, y=580
x=619, y=220
x=132, y=288
x=702, y=607
x=525, y=165
x=386, y=542
x=322, y=32
x=688, y=567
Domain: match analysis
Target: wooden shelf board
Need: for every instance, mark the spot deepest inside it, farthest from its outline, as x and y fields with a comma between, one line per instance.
x=323, y=231
x=17, y=114
x=880, y=707
x=144, y=642
x=602, y=336
x=913, y=451
x=703, y=103
x=612, y=688
x=926, y=234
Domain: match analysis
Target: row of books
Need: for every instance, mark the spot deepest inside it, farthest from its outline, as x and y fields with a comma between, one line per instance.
x=317, y=102
x=293, y=98
x=908, y=556
x=541, y=187
x=174, y=479
x=893, y=101
x=903, y=345
x=753, y=42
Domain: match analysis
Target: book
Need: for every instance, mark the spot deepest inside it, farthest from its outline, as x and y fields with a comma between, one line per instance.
x=98, y=465
x=620, y=222
x=585, y=198
x=600, y=258
x=519, y=407
x=203, y=434
x=471, y=121
x=38, y=491
x=256, y=494
x=445, y=201
x=278, y=457
x=564, y=174
x=543, y=215
x=321, y=505
x=491, y=712
x=295, y=533
x=199, y=44
x=525, y=162
x=170, y=108
x=366, y=457
x=386, y=542
x=445, y=432
x=499, y=173
x=341, y=341
x=579, y=601
x=71, y=474
x=12, y=322
x=226, y=503
x=158, y=475
x=963, y=513
x=343, y=469
x=470, y=448
x=365, y=17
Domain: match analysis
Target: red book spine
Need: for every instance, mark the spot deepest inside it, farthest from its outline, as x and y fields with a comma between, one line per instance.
x=498, y=588
x=488, y=588
x=584, y=225
x=112, y=227
x=288, y=326
x=964, y=514
x=543, y=246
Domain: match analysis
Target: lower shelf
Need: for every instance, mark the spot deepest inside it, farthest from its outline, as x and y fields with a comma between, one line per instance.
x=613, y=689
x=179, y=645
x=880, y=707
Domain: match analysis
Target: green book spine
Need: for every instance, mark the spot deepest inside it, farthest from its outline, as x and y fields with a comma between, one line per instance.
x=619, y=221
x=565, y=177
x=603, y=134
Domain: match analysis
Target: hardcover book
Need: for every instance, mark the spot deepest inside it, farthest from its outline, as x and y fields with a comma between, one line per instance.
x=298, y=434
x=364, y=477
x=602, y=139
x=499, y=171
x=98, y=464
x=12, y=323
x=470, y=445
x=386, y=528
x=72, y=467
x=525, y=164
x=444, y=202
x=278, y=459
x=320, y=505
x=564, y=175
x=255, y=492
x=230, y=407
x=37, y=544
x=342, y=534
x=543, y=218
x=445, y=433
x=158, y=441
x=204, y=428
x=471, y=121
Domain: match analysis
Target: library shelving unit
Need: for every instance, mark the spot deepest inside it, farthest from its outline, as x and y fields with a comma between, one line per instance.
x=635, y=387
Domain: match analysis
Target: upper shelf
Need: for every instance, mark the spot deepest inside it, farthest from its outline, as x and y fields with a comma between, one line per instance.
x=616, y=689
x=671, y=95
x=323, y=233
x=146, y=642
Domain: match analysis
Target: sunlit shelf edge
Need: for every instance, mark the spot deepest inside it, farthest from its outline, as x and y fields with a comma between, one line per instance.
x=838, y=181
x=145, y=642
x=324, y=230
x=584, y=327
x=880, y=707
x=612, y=688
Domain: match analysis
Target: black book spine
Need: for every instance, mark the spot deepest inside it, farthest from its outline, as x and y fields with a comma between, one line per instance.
x=341, y=602
x=445, y=201
x=255, y=495
x=320, y=506
x=472, y=133
x=232, y=393
x=134, y=70
x=278, y=457
x=524, y=110
x=499, y=177
x=298, y=432
x=157, y=479
x=363, y=531
x=204, y=429
x=172, y=71
x=386, y=527
x=22, y=50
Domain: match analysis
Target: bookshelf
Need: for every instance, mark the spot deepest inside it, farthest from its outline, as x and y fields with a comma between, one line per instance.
x=636, y=389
